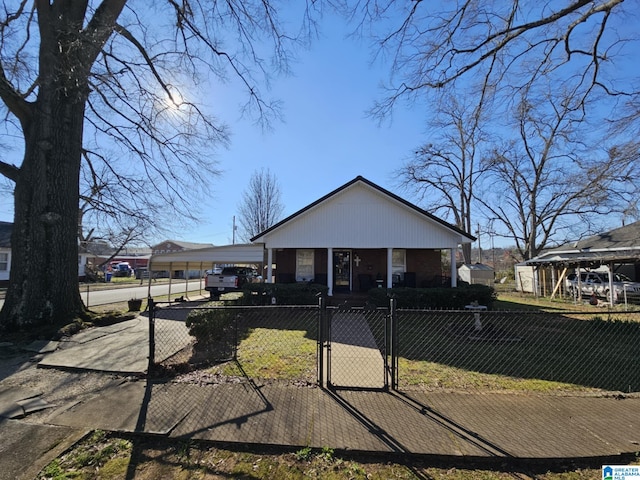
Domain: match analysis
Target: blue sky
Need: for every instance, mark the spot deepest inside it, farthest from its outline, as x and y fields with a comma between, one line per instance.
x=326, y=138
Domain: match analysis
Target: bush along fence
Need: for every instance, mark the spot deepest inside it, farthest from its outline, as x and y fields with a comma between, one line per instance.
x=392, y=347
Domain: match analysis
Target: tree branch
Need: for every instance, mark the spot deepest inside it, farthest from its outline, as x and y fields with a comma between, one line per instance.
x=9, y=171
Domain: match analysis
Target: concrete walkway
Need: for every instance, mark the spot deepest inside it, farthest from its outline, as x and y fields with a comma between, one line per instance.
x=356, y=360
x=482, y=426
x=119, y=348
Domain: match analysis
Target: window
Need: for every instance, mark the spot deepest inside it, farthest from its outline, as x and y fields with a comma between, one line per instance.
x=4, y=262
x=304, y=265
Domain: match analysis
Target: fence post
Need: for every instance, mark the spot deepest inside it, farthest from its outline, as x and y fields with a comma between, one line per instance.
x=322, y=307
x=152, y=333
x=393, y=342
x=236, y=339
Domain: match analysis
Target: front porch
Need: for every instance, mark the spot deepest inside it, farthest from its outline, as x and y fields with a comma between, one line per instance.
x=351, y=270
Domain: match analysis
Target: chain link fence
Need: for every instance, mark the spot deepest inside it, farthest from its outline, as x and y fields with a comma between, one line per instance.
x=561, y=352
x=272, y=343
x=528, y=351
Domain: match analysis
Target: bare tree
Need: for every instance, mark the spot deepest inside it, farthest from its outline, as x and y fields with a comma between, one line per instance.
x=582, y=45
x=112, y=84
x=512, y=52
x=261, y=205
x=444, y=172
x=113, y=209
x=549, y=183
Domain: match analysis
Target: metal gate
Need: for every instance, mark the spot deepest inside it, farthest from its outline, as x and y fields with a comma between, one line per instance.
x=356, y=349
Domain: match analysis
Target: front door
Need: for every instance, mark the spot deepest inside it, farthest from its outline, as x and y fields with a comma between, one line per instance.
x=341, y=271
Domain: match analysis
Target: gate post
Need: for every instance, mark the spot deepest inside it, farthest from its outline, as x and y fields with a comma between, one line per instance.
x=322, y=307
x=393, y=342
x=152, y=334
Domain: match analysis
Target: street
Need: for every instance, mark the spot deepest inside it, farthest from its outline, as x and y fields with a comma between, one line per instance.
x=105, y=296
x=176, y=289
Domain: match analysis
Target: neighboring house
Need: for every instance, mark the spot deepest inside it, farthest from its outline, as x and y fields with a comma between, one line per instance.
x=5, y=254
x=89, y=256
x=5, y=251
x=360, y=236
x=357, y=237
x=617, y=249
x=175, y=246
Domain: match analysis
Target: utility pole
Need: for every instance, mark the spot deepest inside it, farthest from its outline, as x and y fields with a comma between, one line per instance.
x=233, y=241
x=479, y=246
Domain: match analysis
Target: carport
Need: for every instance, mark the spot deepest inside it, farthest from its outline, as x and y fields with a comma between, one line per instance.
x=613, y=249
x=206, y=258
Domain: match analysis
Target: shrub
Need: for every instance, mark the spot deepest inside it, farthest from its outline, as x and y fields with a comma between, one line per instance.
x=209, y=326
x=284, y=293
x=438, y=298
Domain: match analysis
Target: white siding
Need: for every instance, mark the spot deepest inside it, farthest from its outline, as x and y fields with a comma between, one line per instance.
x=4, y=273
x=361, y=217
x=525, y=278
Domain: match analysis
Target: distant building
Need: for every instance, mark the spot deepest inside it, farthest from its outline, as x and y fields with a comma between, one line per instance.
x=477, y=273
x=5, y=251
x=175, y=246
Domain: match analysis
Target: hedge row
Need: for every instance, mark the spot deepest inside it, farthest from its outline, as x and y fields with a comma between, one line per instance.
x=307, y=294
x=436, y=298
x=282, y=293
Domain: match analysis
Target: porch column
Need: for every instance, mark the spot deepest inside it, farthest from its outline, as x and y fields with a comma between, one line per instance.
x=389, y=267
x=454, y=270
x=613, y=297
x=269, y=265
x=330, y=271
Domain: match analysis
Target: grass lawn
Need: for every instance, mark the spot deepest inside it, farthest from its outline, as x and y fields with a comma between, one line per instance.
x=521, y=351
x=109, y=457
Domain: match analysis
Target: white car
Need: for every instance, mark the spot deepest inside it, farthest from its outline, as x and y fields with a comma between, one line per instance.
x=598, y=283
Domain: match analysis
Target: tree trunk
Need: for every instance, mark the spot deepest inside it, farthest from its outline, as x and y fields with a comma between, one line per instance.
x=466, y=253
x=43, y=284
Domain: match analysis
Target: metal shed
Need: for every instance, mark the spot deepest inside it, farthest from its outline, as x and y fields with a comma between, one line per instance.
x=477, y=273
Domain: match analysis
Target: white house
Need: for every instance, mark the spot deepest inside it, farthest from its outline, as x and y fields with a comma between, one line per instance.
x=354, y=238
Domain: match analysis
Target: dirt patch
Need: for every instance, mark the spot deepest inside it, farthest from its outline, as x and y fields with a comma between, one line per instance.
x=58, y=388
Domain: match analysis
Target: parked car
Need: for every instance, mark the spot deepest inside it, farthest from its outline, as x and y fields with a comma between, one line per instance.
x=231, y=279
x=122, y=269
x=598, y=283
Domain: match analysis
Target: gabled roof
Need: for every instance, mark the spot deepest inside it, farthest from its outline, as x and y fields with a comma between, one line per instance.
x=381, y=190
x=627, y=236
x=185, y=245
x=618, y=245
